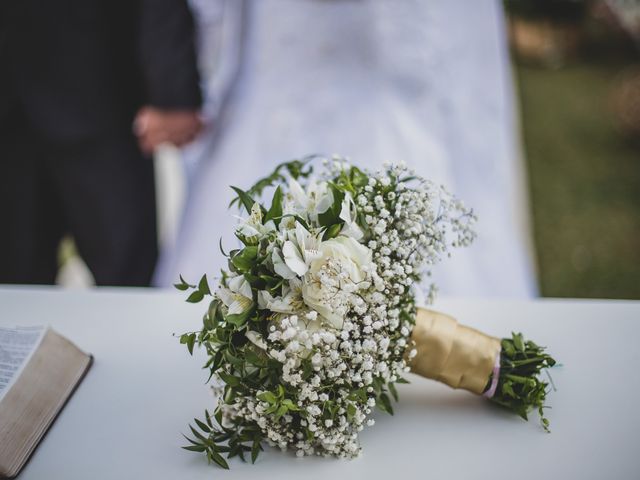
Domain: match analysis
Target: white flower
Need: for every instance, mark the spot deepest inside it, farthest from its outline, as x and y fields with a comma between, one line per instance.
x=237, y=297
x=347, y=258
x=252, y=225
x=300, y=250
x=290, y=302
x=317, y=199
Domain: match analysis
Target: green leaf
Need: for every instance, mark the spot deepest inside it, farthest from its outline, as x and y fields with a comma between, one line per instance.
x=198, y=435
x=188, y=339
x=245, y=198
x=229, y=357
x=255, y=449
x=203, y=426
x=332, y=231
x=332, y=214
x=275, y=211
x=518, y=341
x=207, y=417
x=229, y=395
x=507, y=347
x=229, y=379
x=290, y=405
x=358, y=178
x=195, y=297
x=245, y=259
x=268, y=397
x=351, y=411
x=195, y=448
x=191, y=441
x=183, y=285
x=282, y=409
x=210, y=320
x=217, y=458
x=240, y=319
x=384, y=403
x=394, y=392
x=203, y=286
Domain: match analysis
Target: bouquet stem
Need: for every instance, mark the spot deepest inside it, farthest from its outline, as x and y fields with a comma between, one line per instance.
x=505, y=371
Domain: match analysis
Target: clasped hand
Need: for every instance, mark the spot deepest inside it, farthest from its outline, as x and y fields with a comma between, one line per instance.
x=154, y=126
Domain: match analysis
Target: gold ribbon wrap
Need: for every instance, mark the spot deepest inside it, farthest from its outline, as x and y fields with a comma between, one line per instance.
x=460, y=356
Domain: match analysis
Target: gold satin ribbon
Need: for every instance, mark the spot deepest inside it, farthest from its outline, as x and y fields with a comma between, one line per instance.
x=460, y=356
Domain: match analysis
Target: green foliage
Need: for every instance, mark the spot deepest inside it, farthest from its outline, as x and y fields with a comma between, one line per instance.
x=275, y=212
x=244, y=198
x=199, y=291
x=519, y=387
x=244, y=260
x=330, y=218
x=183, y=285
x=215, y=441
x=295, y=168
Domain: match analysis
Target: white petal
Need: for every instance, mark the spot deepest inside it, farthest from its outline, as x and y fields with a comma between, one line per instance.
x=352, y=230
x=270, y=226
x=225, y=295
x=240, y=305
x=256, y=339
x=248, y=230
x=280, y=267
x=336, y=321
x=264, y=298
x=298, y=194
x=256, y=214
x=281, y=305
x=345, y=211
x=325, y=201
x=311, y=255
x=240, y=285
x=293, y=259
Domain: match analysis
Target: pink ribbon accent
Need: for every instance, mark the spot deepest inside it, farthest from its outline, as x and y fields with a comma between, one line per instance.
x=494, y=379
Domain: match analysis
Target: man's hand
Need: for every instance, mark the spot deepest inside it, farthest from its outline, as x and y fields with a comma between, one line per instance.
x=153, y=127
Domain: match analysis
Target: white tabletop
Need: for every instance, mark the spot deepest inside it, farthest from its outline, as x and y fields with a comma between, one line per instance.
x=126, y=418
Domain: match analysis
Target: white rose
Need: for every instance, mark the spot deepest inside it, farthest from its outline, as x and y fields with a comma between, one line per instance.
x=351, y=257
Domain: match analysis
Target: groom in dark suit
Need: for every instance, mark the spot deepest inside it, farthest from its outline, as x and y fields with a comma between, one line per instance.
x=88, y=88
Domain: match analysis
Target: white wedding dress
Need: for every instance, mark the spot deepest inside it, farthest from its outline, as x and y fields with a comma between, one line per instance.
x=424, y=82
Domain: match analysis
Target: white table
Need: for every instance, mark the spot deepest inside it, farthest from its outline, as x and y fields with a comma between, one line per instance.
x=125, y=420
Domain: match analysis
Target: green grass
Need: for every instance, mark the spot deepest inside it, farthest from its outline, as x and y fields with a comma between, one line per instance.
x=584, y=180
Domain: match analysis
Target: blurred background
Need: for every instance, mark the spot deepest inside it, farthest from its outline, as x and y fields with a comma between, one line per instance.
x=576, y=69
x=578, y=76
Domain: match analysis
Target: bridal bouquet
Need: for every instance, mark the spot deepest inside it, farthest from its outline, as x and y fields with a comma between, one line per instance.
x=315, y=321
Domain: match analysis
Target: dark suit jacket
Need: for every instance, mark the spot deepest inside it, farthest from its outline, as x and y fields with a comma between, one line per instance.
x=81, y=68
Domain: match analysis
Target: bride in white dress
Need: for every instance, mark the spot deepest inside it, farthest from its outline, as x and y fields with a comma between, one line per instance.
x=424, y=82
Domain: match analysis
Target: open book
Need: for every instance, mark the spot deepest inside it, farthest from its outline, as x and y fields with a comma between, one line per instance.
x=39, y=370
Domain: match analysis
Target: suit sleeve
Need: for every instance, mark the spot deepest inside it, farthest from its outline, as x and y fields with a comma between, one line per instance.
x=168, y=56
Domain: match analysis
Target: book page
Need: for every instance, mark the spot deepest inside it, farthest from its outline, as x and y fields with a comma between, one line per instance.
x=16, y=348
